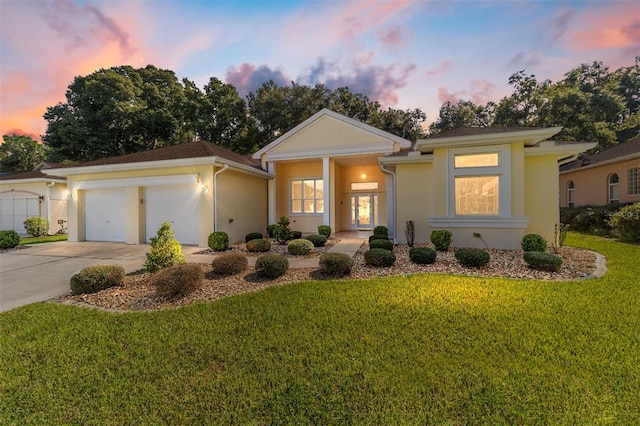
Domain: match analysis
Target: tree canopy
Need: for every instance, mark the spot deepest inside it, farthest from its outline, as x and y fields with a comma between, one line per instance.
x=20, y=154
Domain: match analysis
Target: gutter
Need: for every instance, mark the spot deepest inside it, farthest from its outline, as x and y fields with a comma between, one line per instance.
x=224, y=168
x=393, y=201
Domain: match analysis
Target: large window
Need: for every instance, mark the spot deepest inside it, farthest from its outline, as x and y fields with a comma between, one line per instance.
x=307, y=196
x=614, y=188
x=477, y=195
x=634, y=181
x=570, y=188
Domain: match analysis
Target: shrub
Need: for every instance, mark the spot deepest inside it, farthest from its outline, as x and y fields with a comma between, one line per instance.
x=299, y=246
x=626, y=223
x=422, y=255
x=229, y=263
x=324, y=230
x=543, y=261
x=9, y=239
x=258, y=246
x=441, y=239
x=96, y=278
x=379, y=257
x=252, y=236
x=317, y=240
x=282, y=233
x=218, y=241
x=378, y=237
x=533, y=242
x=381, y=230
x=472, y=258
x=271, y=230
x=296, y=235
x=165, y=250
x=178, y=280
x=592, y=219
x=383, y=244
x=271, y=265
x=36, y=226
x=336, y=264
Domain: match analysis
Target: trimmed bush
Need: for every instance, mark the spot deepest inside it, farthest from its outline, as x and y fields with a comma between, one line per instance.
x=252, y=236
x=422, y=255
x=229, y=263
x=625, y=224
x=282, y=233
x=324, y=230
x=533, y=242
x=472, y=258
x=178, y=280
x=381, y=230
x=271, y=230
x=218, y=241
x=165, y=250
x=378, y=237
x=379, y=257
x=336, y=264
x=542, y=261
x=296, y=235
x=96, y=278
x=258, y=246
x=317, y=240
x=300, y=247
x=441, y=239
x=9, y=239
x=36, y=226
x=271, y=265
x=383, y=244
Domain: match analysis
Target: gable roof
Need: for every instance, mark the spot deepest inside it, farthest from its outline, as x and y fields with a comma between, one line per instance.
x=620, y=152
x=34, y=175
x=328, y=113
x=472, y=136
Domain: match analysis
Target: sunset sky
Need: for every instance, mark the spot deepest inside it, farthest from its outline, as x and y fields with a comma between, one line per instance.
x=405, y=54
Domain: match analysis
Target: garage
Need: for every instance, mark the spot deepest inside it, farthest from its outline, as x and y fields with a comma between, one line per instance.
x=14, y=211
x=177, y=205
x=105, y=215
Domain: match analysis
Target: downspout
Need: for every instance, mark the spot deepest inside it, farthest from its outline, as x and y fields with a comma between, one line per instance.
x=215, y=195
x=393, y=201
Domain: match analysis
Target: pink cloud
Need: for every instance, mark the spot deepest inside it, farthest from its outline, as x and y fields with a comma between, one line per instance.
x=479, y=92
x=20, y=132
x=393, y=37
x=616, y=26
x=442, y=68
x=247, y=77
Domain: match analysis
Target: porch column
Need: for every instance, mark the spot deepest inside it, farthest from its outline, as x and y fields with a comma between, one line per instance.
x=271, y=194
x=326, y=194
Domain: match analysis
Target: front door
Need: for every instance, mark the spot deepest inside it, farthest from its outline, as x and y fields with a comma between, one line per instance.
x=364, y=211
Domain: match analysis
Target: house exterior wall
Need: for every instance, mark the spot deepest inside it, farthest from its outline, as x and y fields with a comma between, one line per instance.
x=242, y=204
x=416, y=199
x=541, y=206
x=54, y=204
x=286, y=171
x=591, y=184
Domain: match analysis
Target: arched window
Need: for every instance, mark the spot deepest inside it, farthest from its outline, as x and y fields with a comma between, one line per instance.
x=570, y=187
x=614, y=188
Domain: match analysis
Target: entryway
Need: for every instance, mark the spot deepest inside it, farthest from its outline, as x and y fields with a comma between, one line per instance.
x=364, y=211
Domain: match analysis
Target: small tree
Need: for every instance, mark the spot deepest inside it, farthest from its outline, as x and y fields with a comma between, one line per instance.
x=283, y=232
x=165, y=250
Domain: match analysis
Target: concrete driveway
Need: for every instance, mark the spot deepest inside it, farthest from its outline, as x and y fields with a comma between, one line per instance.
x=43, y=271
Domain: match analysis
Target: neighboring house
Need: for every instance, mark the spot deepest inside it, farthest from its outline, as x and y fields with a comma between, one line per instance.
x=610, y=176
x=196, y=187
x=498, y=183
x=32, y=194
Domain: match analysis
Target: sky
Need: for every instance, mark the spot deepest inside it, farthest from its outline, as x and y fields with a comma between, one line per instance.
x=405, y=54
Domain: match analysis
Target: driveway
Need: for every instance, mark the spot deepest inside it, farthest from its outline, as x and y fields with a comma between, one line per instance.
x=43, y=271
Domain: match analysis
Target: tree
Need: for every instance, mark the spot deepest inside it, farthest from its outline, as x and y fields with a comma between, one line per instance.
x=20, y=154
x=462, y=114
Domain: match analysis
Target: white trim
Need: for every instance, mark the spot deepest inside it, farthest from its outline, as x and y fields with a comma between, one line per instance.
x=603, y=163
x=528, y=137
x=31, y=180
x=334, y=152
x=479, y=222
x=562, y=150
x=137, y=181
x=326, y=188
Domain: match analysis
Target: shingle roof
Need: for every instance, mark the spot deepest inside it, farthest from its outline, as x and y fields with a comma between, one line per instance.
x=472, y=131
x=34, y=174
x=175, y=152
x=621, y=150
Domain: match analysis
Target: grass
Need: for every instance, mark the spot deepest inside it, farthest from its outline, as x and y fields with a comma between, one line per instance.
x=424, y=349
x=41, y=240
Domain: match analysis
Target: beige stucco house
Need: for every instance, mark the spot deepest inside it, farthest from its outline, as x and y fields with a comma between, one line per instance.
x=198, y=187
x=32, y=194
x=610, y=176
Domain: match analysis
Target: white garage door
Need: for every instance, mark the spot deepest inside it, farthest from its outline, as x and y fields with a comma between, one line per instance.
x=105, y=215
x=14, y=211
x=176, y=205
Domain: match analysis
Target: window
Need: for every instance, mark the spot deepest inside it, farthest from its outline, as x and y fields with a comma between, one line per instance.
x=634, y=181
x=614, y=188
x=570, y=188
x=364, y=186
x=307, y=196
x=481, y=182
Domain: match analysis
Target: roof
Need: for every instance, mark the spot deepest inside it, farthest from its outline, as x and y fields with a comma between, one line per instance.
x=187, y=150
x=34, y=174
x=474, y=131
x=620, y=151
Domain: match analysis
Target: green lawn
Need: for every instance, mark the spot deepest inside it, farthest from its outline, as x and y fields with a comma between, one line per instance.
x=41, y=240
x=425, y=349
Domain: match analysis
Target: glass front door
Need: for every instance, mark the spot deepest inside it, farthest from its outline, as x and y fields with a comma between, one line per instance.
x=364, y=211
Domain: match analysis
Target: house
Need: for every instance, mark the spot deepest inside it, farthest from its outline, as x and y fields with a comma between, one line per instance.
x=497, y=183
x=198, y=187
x=610, y=176
x=33, y=194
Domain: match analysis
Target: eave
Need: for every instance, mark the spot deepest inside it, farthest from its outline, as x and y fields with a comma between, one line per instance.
x=528, y=137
